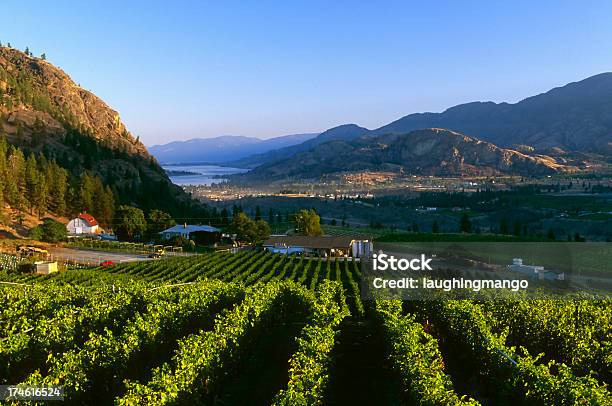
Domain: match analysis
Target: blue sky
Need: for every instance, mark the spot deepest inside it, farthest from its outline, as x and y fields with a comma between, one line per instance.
x=185, y=69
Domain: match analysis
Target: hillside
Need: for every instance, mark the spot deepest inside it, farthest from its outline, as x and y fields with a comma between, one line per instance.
x=344, y=132
x=222, y=149
x=572, y=118
x=423, y=152
x=43, y=112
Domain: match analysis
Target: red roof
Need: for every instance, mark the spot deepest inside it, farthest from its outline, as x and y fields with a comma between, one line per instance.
x=89, y=219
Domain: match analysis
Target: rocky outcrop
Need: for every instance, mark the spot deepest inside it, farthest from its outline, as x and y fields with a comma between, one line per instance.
x=42, y=110
x=39, y=97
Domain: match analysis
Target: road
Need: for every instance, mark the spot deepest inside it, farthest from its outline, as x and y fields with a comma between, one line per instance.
x=92, y=257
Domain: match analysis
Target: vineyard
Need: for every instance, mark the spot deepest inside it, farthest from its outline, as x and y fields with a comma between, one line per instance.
x=262, y=328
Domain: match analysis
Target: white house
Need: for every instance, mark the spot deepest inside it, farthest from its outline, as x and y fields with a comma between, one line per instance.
x=185, y=230
x=83, y=224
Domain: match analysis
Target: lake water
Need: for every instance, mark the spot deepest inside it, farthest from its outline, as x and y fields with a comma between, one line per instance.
x=203, y=174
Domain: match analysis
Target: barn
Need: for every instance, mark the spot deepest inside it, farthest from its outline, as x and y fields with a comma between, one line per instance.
x=84, y=223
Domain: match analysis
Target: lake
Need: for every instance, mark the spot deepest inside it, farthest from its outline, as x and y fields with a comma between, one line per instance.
x=199, y=174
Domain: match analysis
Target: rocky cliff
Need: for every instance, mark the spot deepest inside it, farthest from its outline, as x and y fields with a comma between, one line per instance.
x=42, y=110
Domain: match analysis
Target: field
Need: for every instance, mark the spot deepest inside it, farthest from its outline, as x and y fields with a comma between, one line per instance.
x=261, y=328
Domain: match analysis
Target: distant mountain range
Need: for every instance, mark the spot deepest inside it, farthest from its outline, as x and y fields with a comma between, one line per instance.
x=574, y=117
x=222, y=149
x=538, y=133
x=436, y=152
x=345, y=132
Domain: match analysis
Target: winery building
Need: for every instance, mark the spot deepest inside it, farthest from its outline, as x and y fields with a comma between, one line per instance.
x=322, y=246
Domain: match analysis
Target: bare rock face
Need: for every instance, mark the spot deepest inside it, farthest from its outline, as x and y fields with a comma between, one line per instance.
x=34, y=91
x=42, y=110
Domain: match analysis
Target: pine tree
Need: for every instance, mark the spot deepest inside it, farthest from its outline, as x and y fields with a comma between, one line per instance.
x=465, y=225
x=32, y=182
x=86, y=193
x=15, y=180
x=503, y=226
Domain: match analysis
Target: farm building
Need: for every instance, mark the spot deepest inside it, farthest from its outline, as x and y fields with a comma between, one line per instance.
x=534, y=271
x=192, y=232
x=83, y=224
x=324, y=246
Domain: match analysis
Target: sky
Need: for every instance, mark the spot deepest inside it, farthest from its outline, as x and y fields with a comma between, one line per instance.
x=186, y=69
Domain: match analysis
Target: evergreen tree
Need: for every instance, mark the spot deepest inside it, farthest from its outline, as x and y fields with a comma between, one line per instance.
x=16, y=180
x=516, y=229
x=435, y=228
x=32, y=179
x=465, y=225
x=224, y=217
x=86, y=193
x=257, y=213
x=503, y=226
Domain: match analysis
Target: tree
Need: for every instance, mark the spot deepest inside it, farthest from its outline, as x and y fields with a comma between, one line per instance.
x=224, y=217
x=249, y=231
x=551, y=234
x=27, y=51
x=130, y=223
x=270, y=216
x=503, y=226
x=159, y=221
x=257, y=213
x=308, y=222
x=43, y=56
x=50, y=231
x=465, y=225
x=516, y=228
x=435, y=228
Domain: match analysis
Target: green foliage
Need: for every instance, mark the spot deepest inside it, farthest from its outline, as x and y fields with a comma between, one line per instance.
x=308, y=222
x=158, y=221
x=417, y=358
x=309, y=365
x=465, y=225
x=50, y=231
x=130, y=223
x=249, y=231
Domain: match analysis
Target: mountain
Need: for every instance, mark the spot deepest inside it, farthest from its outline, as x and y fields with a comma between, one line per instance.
x=574, y=117
x=222, y=149
x=43, y=112
x=344, y=132
x=422, y=152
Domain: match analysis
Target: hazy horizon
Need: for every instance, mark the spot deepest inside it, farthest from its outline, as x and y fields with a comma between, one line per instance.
x=191, y=70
